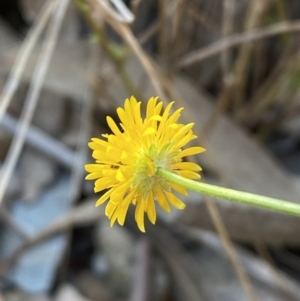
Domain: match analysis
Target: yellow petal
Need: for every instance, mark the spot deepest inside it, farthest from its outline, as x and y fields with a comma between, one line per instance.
x=155, y=118
x=187, y=165
x=191, y=151
x=178, y=188
x=110, y=209
x=149, y=131
x=164, y=119
x=124, y=208
x=114, y=217
x=186, y=139
x=158, y=108
x=93, y=167
x=175, y=201
x=182, y=132
x=119, y=175
x=113, y=126
x=103, y=183
x=133, y=101
x=150, y=107
x=118, y=192
x=123, y=117
x=103, y=198
x=151, y=212
x=161, y=199
x=137, y=114
x=127, y=109
x=124, y=155
x=188, y=174
x=139, y=215
x=94, y=175
x=173, y=118
x=97, y=143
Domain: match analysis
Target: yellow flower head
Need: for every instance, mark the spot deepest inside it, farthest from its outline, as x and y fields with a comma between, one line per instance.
x=127, y=161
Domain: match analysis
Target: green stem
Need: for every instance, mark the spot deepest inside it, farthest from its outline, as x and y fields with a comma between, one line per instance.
x=231, y=194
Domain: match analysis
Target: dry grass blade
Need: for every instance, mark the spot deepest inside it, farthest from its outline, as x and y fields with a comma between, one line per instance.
x=252, y=110
x=107, y=46
x=228, y=79
x=235, y=40
x=176, y=26
x=229, y=248
x=182, y=266
x=146, y=62
x=258, y=269
x=32, y=97
x=163, y=31
x=134, y=5
x=125, y=14
x=254, y=19
x=227, y=28
x=42, y=142
x=149, y=32
x=24, y=53
x=125, y=32
x=84, y=132
x=201, y=18
x=140, y=289
x=280, y=280
x=221, y=105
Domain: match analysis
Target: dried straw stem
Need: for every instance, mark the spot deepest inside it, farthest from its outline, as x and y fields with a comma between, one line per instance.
x=235, y=40
x=32, y=97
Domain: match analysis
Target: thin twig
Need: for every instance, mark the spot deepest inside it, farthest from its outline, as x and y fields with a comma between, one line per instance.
x=41, y=141
x=176, y=30
x=224, y=96
x=229, y=248
x=163, y=32
x=23, y=55
x=134, y=6
x=280, y=280
x=227, y=29
x=84, y=133
x=83, y=136
x=149, y=32
x=126, y=33
x=235, y=40
x=193, y=13
x=152, y=72
x=255, y=267
x=221, y=106
x=108, y=47
x=123, y=14
x=140, y=288
x=182, y=266
x=32, y=97
x=253, y=20
x=251, y=111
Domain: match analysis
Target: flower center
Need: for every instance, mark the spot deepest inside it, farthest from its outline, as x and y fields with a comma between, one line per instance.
x=145, y=178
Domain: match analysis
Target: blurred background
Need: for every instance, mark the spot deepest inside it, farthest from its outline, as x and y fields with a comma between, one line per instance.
x=65, y=65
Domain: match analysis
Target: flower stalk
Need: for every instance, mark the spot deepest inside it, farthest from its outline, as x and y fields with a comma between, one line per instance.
x=141, y=163
x=231, y=194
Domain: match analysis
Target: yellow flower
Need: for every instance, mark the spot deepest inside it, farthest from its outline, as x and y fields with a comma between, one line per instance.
x=127, y=161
